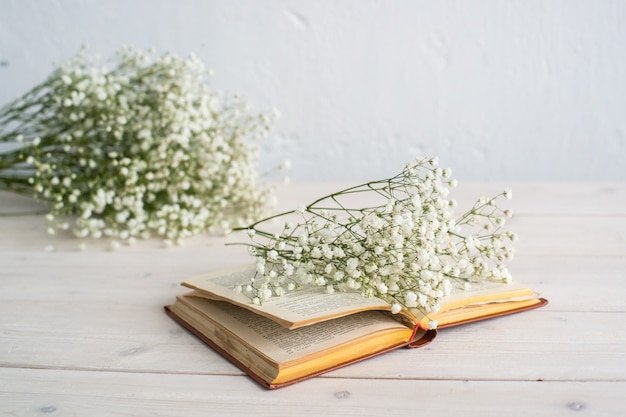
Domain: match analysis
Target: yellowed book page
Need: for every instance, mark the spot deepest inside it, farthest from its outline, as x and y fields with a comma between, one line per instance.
x=487, y=292
x=458, y=315
x=281, y=345
x=292, y=310
x=482, y=299
x=480, y=294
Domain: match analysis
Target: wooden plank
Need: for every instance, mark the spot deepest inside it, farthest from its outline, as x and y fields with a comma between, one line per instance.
x=539, y=345
x=539, y=236
x=534, y=345
x=537, y=198
x=575, y=283
x=151, y=278
x=56, y=300
x=540, y=197
x=555, y=198
x=27, y=392
x=94, y=319
x=558, y=202
x=572, y=236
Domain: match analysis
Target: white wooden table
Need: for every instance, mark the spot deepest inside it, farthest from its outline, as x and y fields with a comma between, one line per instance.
x=84, y=333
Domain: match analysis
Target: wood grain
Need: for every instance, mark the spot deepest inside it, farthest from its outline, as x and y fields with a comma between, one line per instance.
x=57, y=393
x=83, y=333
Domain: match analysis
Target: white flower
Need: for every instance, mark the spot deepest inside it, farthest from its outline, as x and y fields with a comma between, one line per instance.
x=352, y=264
x=410, y=299
x=266, y=294
x=406, y=248
x=159, y=155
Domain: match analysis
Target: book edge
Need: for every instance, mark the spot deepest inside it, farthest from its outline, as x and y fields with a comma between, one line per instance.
x=542, y=302
x=422, y=341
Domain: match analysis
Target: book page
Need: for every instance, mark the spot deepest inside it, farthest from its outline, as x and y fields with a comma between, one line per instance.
x=482, y=299
x=292, y=310
x=487, y=291
x=282, y=345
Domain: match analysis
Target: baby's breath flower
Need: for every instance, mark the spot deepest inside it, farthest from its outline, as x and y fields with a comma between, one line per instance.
x=396, y=308
x=408, y=249
x=135, y=147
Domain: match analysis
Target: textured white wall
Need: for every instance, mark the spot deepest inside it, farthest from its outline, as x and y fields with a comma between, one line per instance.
x=499, y=90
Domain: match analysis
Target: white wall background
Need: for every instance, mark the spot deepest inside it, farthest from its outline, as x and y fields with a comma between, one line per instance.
x=499, y=90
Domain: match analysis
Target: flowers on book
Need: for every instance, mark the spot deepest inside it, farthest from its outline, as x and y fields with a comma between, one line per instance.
x=395, y=239
x=139, y=147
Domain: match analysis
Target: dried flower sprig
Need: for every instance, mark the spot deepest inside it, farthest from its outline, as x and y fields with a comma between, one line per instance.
x=404, y=247
x=135, y=147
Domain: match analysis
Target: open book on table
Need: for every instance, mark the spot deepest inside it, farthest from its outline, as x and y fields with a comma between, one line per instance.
x=306, y=333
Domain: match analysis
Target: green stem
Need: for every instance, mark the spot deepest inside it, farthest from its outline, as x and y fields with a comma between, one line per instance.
x=346, y=191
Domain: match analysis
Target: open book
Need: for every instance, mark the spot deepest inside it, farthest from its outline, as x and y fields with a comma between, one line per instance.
x=305, y=333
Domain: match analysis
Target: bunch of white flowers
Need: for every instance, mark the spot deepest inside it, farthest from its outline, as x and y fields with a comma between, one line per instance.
x=406, y=248
x=137, y=147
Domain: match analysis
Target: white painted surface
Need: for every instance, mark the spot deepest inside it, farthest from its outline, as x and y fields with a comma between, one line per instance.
x=499, y=90
x=84, y=333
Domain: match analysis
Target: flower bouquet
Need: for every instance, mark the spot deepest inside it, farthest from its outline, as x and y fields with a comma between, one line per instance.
x=404, y=246
x=136, y=147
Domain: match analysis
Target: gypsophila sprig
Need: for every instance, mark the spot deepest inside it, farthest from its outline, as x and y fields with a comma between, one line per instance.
x=394, y=239
x=135, y=147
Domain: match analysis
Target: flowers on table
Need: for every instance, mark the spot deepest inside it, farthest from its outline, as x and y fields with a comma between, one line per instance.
x=398, y=242
x=137, y=147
